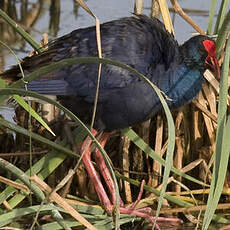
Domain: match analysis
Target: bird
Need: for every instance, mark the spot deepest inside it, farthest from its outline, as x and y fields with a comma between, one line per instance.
x=124, y=99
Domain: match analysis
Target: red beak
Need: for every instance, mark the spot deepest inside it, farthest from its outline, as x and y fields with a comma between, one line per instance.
x=213, y=64
x=211, y=59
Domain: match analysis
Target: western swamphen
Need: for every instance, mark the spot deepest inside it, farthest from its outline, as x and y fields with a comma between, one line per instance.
x=124, y=100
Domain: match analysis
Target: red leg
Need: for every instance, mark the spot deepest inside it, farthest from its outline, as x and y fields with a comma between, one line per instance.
x=139, y=195
x=144, y=213
x=150, y=218
x=104, y=170
x=86, y=159
x=108, y=178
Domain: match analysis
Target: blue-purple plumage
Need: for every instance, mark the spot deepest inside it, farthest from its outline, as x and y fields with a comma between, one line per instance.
x=124, y=100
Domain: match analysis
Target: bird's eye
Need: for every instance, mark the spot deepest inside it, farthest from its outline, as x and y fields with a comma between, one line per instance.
x=201, y=49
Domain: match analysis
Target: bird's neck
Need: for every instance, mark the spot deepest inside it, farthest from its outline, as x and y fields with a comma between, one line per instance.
x=181, y=83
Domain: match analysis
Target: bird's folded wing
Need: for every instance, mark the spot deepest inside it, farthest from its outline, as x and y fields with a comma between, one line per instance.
x=51, y=87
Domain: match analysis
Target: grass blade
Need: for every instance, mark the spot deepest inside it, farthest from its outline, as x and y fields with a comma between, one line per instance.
x=211, y=16
x=22, y=177
x=20, y=100
x=139, y=142
x=223, y=33
x=222, y=146
x=22, y=32
x=221, y=15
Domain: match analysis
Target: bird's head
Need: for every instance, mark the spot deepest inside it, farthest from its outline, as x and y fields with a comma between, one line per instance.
x=201, y=51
